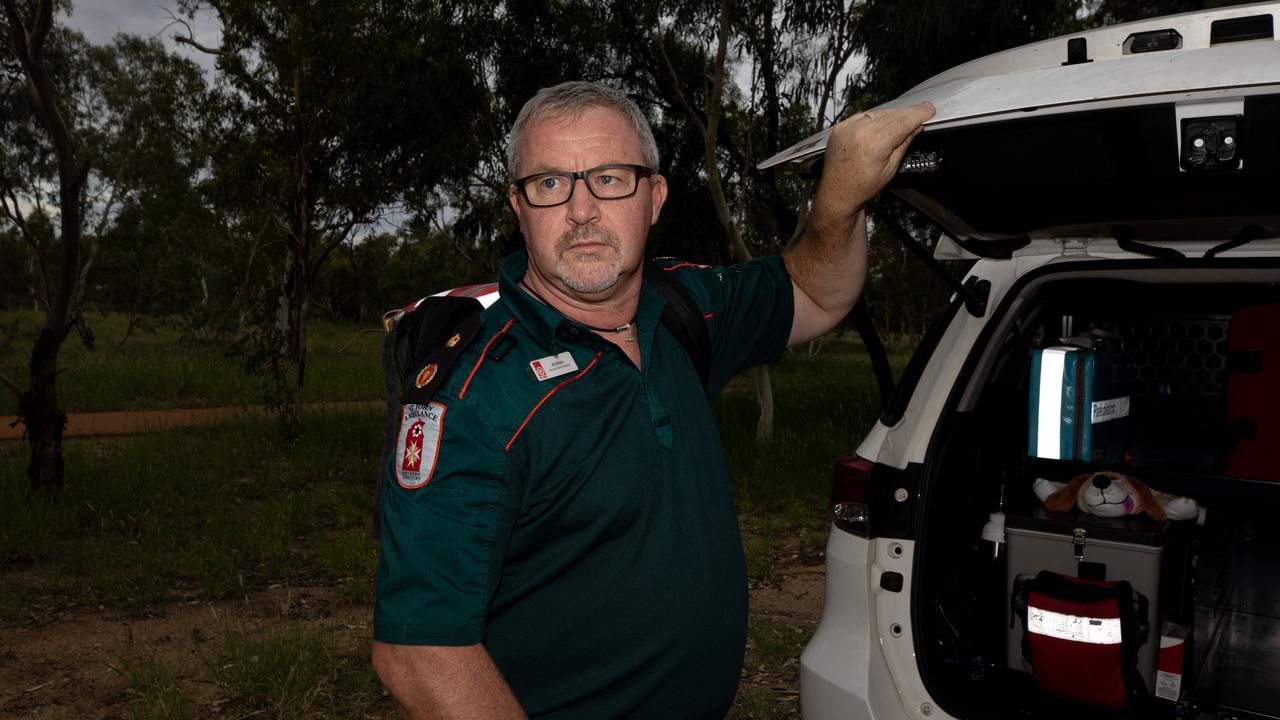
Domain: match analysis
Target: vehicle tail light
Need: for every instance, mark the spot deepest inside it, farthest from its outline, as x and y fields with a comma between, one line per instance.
x=850, y=493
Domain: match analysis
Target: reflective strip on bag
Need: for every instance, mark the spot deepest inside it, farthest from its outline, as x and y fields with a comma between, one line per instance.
x=1095, y=631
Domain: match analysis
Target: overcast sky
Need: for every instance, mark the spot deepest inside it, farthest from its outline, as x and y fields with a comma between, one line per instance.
x=101, y=20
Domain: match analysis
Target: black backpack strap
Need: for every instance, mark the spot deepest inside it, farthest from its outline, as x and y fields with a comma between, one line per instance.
x=683, y=318
x=422, y=343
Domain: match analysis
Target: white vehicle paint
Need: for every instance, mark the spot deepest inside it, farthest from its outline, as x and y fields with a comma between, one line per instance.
x=862, y=661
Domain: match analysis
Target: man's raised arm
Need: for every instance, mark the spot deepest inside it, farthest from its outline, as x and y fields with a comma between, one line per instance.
x=828, y=263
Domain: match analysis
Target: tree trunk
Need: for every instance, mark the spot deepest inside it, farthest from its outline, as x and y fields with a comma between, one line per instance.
x=41, y=416
x=303, y=229
x=39, y=405
x=764, y=389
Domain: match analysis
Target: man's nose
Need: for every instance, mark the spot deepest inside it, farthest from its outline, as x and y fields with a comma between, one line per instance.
x=583, y=206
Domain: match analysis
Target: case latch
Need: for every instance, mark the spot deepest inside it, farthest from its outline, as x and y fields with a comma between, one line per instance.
x=1077, y=544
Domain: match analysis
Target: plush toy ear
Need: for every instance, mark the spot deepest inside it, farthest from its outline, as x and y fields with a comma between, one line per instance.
x=1062, y=500
x=1147, y=499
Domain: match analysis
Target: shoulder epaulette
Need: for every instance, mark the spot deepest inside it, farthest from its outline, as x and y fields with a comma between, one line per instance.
x=423, y=341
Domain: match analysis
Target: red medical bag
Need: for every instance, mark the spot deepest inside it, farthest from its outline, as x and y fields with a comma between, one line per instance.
x=1081, y=638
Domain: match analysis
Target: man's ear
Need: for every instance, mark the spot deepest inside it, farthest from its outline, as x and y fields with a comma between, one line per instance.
x=513, y=197
x=657, y=196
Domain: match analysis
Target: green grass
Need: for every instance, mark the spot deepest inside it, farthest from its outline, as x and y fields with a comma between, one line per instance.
x=823, y=406
x=227, y=509
x=287, y=671
x=295, y=671
x=157, y=369
x=281, y=673
x=155, y=694
x=223, y=511
x=218, y=511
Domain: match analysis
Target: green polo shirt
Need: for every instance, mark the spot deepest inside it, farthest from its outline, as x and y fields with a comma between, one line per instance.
x=573, y=512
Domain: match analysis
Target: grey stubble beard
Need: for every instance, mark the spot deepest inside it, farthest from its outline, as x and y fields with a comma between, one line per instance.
x=573, y=277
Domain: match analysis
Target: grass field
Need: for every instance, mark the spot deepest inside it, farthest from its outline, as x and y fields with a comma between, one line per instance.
x=155, y=368
x=230, y=511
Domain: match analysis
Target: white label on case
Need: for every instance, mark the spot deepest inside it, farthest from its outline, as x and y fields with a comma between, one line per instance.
x=1168, y=685
x=1113, y=409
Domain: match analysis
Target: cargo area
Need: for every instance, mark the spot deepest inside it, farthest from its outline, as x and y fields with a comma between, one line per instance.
x=1207, y=588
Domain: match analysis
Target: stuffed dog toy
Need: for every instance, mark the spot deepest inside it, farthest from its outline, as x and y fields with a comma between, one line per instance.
x=1110, y=494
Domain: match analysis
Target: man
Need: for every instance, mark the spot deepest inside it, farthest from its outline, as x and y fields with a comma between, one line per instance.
x=567, y=546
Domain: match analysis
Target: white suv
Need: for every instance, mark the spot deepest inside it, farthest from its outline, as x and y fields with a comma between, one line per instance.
x=1120, y=185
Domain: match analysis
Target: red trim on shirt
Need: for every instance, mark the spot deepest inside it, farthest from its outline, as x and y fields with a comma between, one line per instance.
x=474, y=290
x=483, y=353
x=546, y=397
x=685, y=265
x=708, y=316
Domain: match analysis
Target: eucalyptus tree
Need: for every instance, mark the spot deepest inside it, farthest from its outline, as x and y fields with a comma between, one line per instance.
x=749, y=77
x=330, y=114
x=157, y=238
x=42, y=60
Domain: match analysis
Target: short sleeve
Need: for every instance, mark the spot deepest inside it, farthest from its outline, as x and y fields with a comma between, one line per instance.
x=446, y=517
x=749, y=309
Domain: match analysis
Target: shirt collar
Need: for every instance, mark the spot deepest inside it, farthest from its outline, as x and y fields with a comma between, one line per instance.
x=543, y=321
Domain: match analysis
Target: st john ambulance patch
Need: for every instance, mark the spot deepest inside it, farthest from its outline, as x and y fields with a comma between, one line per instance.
x=419, y=444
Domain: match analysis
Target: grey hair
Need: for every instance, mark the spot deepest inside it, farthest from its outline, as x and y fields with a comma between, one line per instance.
x=572, y=99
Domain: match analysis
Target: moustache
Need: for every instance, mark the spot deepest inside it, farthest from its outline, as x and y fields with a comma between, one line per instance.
x=583, y=234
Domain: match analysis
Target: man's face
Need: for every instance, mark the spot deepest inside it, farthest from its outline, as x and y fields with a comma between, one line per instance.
x=586, y=244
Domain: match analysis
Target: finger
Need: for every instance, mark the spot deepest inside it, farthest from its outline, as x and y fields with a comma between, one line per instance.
x=895, y=157
x=911, y=116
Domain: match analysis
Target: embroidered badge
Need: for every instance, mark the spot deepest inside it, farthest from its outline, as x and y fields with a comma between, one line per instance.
x=427, y=375
x=553, y=366
x=419, y=444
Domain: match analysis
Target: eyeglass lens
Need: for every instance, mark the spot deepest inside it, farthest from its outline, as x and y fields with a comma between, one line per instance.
x=605, y=182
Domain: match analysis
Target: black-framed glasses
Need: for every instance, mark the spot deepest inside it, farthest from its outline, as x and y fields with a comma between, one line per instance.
x=606, y=182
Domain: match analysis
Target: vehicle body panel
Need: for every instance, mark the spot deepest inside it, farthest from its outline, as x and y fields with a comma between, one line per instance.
x=1031, y=80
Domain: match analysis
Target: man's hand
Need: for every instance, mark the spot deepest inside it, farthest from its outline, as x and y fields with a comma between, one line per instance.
x=863, y=154
x=445, y=682
x=829, y=261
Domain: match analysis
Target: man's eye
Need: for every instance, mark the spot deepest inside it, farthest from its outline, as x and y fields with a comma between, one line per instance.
x=607, y=179
x=550, y=183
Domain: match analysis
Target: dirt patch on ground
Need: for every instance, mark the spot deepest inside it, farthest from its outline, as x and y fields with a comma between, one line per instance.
x=72, y=662
x=127, y=422
x=76, y=662
x=796, y=592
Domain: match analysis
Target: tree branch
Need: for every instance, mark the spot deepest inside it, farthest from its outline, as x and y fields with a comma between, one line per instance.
x=14, y=214
x=675, y=85
x=494, y=185
x=233, y=66
x=41, y=24
x=191, y=42
x=190, y=39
